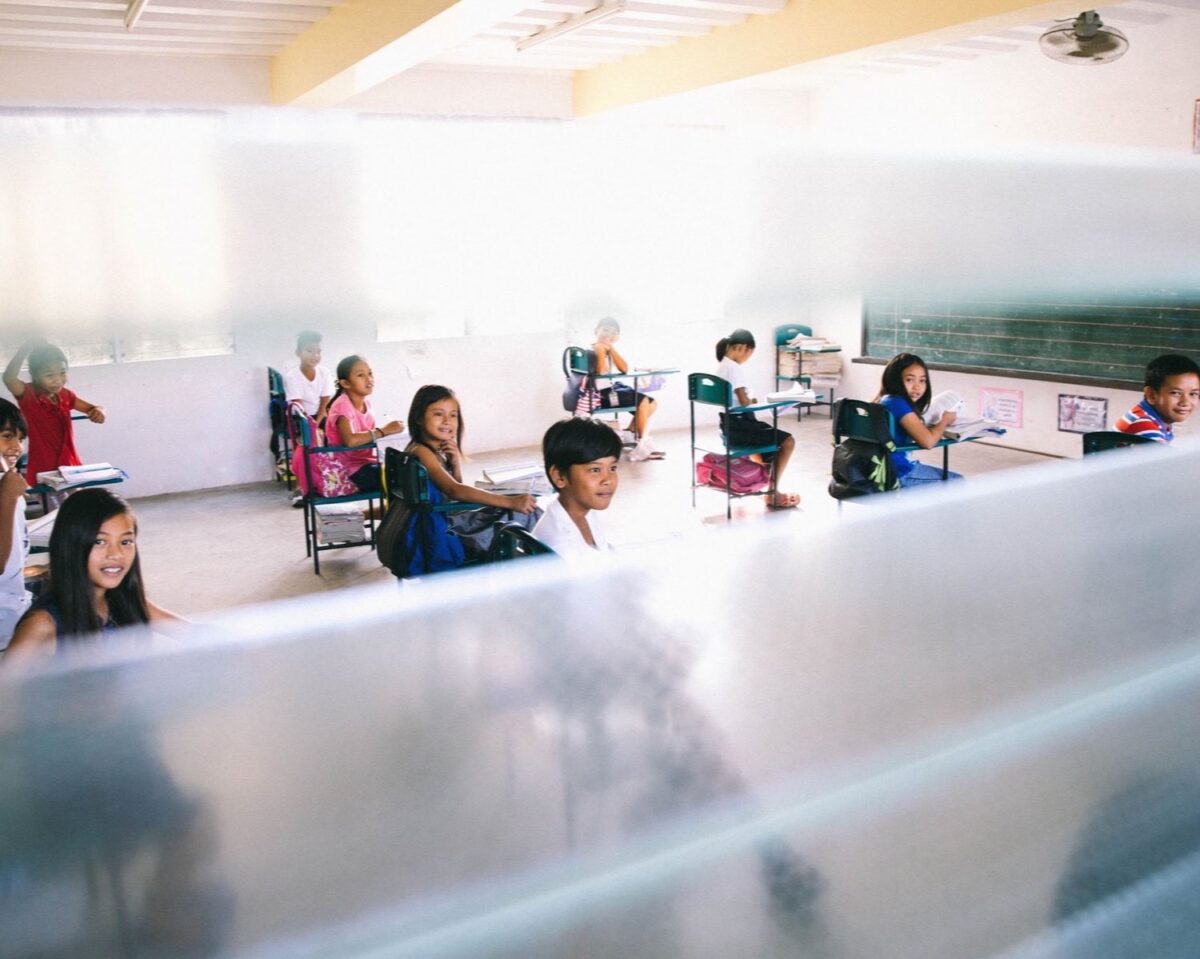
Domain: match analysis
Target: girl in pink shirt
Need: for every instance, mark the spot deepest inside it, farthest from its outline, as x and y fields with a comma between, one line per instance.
x=351, y=423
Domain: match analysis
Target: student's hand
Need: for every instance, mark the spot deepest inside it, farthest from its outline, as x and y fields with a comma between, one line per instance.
x=96, y=414
x=12, y=487
x=947, y=418
x=449, y=449
x=394, y=426
x=524, y=503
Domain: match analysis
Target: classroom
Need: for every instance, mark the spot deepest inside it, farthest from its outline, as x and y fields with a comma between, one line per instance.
x=185, y=195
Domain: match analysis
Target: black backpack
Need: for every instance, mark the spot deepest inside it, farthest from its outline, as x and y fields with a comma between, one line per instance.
x=861, y=466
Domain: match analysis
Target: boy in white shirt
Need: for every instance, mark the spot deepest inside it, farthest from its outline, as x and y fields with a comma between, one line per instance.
x=582, y=458
x=309, y=384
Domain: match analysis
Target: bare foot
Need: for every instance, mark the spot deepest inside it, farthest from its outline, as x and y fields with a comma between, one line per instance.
x=783, y=501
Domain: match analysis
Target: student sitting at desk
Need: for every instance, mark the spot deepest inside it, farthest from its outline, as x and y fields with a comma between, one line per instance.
x=350, y=422
x=608, y=331
x=582, y=458
x=1172, y=391
x=905, y=391
x=746, y=429
x=95, y=582
x=14, y=537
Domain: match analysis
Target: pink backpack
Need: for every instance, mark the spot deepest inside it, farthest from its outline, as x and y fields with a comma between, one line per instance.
x=745, y=475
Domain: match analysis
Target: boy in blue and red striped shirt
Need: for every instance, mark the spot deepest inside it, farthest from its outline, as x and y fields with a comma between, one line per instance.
x=1172, y=391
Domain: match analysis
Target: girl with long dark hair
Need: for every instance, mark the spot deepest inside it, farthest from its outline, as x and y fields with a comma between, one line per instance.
x=905, y=390
x=95, y=581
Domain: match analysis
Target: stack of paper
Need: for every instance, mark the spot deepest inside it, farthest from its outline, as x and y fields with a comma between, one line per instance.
x=502, y=475
x=40, y=529
x=965, y=429
x=796, y=393
x=820, y=357
x=67, y=476
x=341, y=523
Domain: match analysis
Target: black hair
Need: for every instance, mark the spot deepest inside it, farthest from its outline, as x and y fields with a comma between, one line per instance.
x=11, y=418
x=577, y=441
x=345, y=365
x=69, y=588
x=892, y=383
x=736, y=338
x=424, y=398
x=44, y=356
x=1170, y=364
x=608, y=321
x=307, y=338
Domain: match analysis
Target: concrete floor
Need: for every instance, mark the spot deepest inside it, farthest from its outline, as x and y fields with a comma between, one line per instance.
x=214, y=549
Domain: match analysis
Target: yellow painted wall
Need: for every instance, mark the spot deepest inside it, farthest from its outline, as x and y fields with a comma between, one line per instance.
x=350, y=33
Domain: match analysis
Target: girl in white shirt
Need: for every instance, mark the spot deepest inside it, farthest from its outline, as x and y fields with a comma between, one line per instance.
x=582, y=458
x=745, y=429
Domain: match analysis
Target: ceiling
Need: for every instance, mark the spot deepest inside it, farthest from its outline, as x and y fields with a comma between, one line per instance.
x=262, y=28
x=656, y=48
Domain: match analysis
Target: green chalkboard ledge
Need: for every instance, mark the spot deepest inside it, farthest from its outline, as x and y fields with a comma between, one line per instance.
x=1066, y=378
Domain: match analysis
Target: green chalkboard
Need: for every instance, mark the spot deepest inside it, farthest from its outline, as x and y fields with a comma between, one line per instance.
x=1105, y=339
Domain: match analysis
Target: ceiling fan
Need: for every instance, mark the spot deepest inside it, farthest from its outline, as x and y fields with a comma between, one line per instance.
x=1083, y=40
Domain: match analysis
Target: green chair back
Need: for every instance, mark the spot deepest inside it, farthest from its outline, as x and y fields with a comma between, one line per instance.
x=786, y=332
x=706, y=388
x=275, y=382
x=1101, y=441
x=513, y=541
x=860, y=420
x=577, y=360
x=405, y=478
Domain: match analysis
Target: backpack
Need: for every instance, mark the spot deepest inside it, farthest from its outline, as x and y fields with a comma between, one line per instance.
x=331, y=476
x=865, y=466
x=417, y=542
x=745, y=475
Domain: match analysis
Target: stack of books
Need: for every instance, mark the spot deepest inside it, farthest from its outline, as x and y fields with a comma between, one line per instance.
x=525, y=478
x=341, y=523
x=67, y=476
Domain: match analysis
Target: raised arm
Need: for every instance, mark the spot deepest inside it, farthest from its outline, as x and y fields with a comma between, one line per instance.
x=12, y=372
x=454, y=489
x=926, y=437
x=349, y=437
x=94, y=413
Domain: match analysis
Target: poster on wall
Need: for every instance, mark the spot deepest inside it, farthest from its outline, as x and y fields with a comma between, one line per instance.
x=1005, y=407
x=1082, y=414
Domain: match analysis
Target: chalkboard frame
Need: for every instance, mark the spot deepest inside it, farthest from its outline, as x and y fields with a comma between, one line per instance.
x=1145, y=323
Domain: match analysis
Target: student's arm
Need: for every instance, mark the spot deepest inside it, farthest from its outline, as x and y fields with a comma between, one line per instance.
x=322, y=410
x=600, y=351
x=12, y=488
x=743, y=398
x=458, y=491
x=94, y=413
x=618, y=360
x=159, y=615
x=366, y=437
x=12, y=372
x=36, y=638
x=925, y=437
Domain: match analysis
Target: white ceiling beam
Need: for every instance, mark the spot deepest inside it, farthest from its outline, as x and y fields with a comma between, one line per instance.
x=152, y=19
x=196, y=49
x=228, y=8
x=118, y=33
